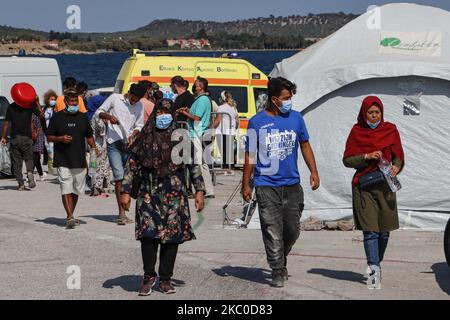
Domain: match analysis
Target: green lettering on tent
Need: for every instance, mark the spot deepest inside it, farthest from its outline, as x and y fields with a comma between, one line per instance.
x=390, y=42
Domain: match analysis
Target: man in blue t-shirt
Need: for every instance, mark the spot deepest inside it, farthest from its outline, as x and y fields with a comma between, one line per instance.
x=273, y=139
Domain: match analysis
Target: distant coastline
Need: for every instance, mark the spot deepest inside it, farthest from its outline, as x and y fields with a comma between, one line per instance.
x=32, y=49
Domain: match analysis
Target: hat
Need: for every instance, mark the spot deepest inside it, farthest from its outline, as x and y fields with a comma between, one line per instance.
x=71, y=92
x=23, y=94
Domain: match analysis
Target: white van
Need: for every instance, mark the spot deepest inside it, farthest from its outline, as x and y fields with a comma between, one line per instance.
x=42, y=73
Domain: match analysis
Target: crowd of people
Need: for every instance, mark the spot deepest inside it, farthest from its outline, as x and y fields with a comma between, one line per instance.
x=131, y=140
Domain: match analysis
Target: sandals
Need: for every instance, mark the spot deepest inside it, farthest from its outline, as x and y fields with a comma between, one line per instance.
x=123, y=221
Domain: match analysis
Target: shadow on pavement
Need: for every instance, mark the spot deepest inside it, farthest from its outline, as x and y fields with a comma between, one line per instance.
x=105, y=218
x=340, y=275
x=257, y=275
x=60, y=222
x=133, y=283
x=4, y=188
x=442, y=273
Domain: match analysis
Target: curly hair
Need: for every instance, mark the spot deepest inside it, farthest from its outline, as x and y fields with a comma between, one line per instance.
x=50, y=93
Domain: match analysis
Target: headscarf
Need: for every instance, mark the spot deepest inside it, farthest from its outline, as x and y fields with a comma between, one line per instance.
x=363, y=139
x=153, y=147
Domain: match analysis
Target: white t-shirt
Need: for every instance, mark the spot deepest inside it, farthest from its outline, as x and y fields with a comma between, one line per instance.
x=131, y=117
x=225, y=127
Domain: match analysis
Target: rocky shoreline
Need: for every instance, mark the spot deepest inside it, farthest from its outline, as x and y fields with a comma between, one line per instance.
x=36, y=49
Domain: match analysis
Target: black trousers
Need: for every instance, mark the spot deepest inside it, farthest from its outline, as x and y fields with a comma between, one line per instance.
x=45, y=157
x=21, y=150
x=226, y=145
x=167, y=257
x=37, y=163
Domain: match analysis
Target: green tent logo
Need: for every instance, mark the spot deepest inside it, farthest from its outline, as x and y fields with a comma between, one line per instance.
x=391, y=42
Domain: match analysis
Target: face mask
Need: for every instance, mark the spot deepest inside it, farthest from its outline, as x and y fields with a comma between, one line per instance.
x=52, y=103
x=373, y=125
x=164, y=121
x=286, y=107
x=73, y=109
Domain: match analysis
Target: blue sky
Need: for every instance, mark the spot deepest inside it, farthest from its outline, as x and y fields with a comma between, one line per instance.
x=113, y=15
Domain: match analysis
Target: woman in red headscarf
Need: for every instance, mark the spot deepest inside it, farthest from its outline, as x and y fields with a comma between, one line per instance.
x=374, y=207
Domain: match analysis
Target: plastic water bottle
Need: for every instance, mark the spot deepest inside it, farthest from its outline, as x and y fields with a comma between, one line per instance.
x=385, y=167
x=92, y=164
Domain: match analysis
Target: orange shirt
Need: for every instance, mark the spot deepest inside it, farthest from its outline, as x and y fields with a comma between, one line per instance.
x=61, y=104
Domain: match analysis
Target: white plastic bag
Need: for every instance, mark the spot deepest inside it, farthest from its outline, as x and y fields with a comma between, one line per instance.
x=5, y=160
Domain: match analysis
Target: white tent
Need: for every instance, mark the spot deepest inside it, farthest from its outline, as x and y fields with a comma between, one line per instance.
x=401, y=53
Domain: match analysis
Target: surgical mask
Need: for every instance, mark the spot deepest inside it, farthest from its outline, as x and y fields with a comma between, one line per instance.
x=164, y=121
x=373, y=125
x=286, y=107
x=52, y=103
x=73, y=109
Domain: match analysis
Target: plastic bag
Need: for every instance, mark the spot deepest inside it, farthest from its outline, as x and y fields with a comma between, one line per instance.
x=5, y=159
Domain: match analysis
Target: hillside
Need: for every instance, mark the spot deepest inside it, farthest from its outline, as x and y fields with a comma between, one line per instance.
x=259, y=33
x=311, y=26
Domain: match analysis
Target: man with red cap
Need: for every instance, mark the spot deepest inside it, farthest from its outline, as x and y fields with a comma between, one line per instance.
x=19, y=116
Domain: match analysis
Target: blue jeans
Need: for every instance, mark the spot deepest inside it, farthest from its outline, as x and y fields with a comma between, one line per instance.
x=375, y=244
x=118, y=157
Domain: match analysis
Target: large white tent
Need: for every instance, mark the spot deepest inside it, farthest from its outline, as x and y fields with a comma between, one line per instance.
x=401, y=53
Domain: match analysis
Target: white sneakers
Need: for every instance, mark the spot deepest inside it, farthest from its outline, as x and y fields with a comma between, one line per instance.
x=374, y=278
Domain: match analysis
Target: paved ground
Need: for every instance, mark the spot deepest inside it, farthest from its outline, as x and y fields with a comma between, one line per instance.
x=36, y=251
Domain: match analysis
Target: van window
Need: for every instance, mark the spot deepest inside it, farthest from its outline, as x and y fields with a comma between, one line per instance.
x=119, y=86
x=240, y=95
x=261, y=97
x=3, y=106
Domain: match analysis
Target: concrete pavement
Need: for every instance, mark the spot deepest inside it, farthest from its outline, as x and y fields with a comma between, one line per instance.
x=36, y=251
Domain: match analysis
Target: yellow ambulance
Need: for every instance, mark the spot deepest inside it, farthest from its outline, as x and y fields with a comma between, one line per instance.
x=247, y=84
x=244, y=81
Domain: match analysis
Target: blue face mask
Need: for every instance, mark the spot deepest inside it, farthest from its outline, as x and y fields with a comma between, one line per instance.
x=53, y=103
x=373, y=125
x=286, y=107
x=164, y=121
x=73, y=109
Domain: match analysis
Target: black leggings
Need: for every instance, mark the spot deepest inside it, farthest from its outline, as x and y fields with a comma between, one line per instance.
x=167, y=257
x=37, y=163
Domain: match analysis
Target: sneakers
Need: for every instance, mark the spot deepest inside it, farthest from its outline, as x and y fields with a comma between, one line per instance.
x=31, y=182
x=166, y=287
x=278, y=277
x=71, y=223
x=147, y=285
x=43, y=177
x=21, y=187
x=374, y=280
